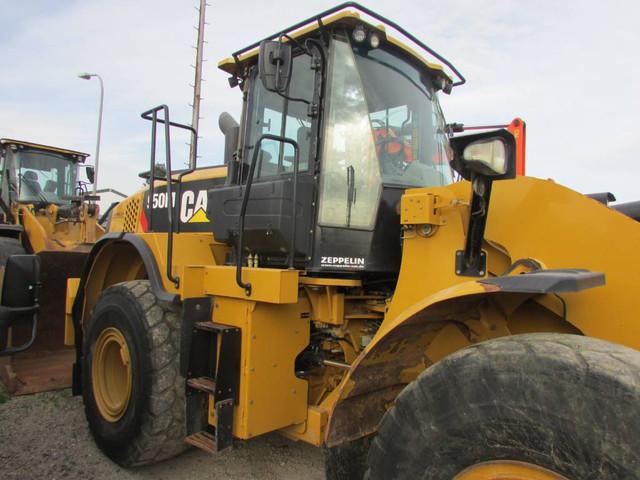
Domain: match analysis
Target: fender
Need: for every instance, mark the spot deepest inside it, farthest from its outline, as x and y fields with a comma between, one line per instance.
x=426, y=332
x=153, y=274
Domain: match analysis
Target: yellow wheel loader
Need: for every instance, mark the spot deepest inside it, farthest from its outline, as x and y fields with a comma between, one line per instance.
x=357, y=278
x=44, y=212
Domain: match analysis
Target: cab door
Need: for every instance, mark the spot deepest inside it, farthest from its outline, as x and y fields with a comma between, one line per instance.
x=268, y=218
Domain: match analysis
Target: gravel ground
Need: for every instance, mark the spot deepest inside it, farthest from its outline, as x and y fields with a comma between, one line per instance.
x=46, y=436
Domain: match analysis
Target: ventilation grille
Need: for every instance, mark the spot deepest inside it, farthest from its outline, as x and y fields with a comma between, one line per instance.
x=131, y=214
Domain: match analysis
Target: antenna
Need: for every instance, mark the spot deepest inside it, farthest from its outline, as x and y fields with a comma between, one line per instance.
x=197, y=84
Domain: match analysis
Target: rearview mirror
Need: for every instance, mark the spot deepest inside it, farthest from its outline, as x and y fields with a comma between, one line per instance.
x=274, y=65
x=91, y=173
x=490, y=154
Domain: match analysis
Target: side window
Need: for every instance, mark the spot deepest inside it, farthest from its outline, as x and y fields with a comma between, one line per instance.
x=276, y=115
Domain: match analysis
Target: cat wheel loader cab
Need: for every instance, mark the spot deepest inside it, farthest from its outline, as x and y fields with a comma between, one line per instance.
x=356, y=278
x=44, y=211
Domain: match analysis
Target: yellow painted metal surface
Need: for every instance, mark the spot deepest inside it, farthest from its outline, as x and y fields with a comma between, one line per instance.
x=111, y=374
x=528, y=218
x=348, y=16
x=563, y=229
x=46, y=232
x=271, y=396
x=72, y=290
x=64, y=151
x=270, y=285
x=507, y=470
x=424, y=207
x=312, y=430
x=336, y=282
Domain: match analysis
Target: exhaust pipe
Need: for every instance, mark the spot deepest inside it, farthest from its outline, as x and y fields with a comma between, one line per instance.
x=631, y=209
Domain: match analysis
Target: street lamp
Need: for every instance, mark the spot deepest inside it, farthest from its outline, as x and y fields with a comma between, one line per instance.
x=87, y=76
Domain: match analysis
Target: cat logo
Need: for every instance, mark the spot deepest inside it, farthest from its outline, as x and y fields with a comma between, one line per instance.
x=193, y=207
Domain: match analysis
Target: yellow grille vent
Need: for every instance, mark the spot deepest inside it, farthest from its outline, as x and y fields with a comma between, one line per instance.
x=131, y=215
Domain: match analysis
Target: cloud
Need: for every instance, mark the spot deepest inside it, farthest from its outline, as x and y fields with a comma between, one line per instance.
x=568, y=68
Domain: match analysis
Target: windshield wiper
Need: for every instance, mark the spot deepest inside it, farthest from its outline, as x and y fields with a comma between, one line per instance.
x=351, y=191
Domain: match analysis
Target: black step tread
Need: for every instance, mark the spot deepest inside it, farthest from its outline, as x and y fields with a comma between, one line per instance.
x=204, y=384
x=213, y=327
x=202, y=440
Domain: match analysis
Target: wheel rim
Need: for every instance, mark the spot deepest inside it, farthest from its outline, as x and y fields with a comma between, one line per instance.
x=111, y=377
x=507, y=470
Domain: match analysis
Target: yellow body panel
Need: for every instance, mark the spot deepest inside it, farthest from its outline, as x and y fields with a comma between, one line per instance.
x=46, y=232
x=434, y=312
x=271, y=396
x=269, y=285
x=564, y=229
x=72, y=290
x=229, y=65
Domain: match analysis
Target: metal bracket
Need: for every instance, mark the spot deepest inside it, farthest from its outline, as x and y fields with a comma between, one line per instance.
x=477, y=270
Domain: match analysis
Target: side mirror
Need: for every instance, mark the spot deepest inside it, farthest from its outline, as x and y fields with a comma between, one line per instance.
x=481, y=158
x=490, y=154
x=274, y=65
x=91, y=173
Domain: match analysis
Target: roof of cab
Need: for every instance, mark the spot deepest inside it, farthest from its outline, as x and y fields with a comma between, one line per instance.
x=10, y=141
x=347, y=15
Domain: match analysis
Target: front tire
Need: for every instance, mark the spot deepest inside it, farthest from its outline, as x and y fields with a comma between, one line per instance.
x=542, y=405
x=133, y=393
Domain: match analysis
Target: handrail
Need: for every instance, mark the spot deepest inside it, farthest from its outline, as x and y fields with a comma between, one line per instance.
x=245, y=201
x=152, y=115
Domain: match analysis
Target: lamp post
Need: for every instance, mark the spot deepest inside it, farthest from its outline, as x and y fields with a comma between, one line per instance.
x=87, y=76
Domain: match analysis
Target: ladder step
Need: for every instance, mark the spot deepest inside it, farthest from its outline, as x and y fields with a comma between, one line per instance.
x=204, y=384
x=202, y=440
x=213, y=327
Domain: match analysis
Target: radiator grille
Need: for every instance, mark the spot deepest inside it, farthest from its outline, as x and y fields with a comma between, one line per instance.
x=131, y=215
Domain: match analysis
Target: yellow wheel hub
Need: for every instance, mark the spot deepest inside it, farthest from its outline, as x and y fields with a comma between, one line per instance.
x=507, y=470
x=111, y=376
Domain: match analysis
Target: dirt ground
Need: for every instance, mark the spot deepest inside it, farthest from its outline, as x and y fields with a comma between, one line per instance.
x=46, y=436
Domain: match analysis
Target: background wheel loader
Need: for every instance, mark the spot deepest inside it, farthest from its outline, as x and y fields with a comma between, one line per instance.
x=44, y=211
x=334, y=282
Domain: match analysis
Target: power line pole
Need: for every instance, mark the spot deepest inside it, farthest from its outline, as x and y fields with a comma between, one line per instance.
x=197, y=85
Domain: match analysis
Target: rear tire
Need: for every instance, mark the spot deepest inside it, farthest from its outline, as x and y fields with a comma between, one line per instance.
x=8, y=247
x=565, y=403
x=152, y=425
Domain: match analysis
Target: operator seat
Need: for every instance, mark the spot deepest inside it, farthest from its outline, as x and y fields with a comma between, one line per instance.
x=30, y=179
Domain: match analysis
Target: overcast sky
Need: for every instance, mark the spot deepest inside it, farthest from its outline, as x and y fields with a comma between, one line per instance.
x=571, y=69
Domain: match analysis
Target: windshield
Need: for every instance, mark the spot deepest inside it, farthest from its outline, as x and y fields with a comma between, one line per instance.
x=45, y=177
x=406, y=120
x=384, y=126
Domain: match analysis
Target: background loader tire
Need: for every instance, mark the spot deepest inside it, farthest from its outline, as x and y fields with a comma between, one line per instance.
x=153, y=426
x=562, y=402
x=8, y=247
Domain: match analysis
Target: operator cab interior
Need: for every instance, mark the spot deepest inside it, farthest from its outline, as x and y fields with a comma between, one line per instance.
x=362, y=112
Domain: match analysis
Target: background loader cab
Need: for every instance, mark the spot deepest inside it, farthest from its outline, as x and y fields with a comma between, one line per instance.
x=360, y=116
x=44, y=211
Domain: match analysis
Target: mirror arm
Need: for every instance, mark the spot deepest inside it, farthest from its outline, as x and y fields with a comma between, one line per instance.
x=472, y=261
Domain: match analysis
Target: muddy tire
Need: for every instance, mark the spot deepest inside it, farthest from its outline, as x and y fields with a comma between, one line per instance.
x=564, y=403
x=150, y=425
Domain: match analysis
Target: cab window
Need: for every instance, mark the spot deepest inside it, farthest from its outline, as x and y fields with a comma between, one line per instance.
x=272, y=113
